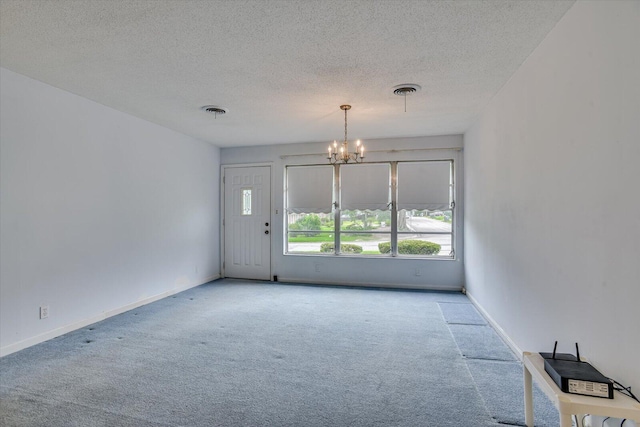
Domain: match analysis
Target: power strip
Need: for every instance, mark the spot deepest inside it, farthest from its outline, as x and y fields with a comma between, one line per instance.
x=599, y=421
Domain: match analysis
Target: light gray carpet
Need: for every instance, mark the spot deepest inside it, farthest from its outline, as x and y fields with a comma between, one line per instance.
x=236, y=353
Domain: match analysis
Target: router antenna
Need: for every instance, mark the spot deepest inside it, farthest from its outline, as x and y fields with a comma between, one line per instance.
x=577, y=353
x=555, y=346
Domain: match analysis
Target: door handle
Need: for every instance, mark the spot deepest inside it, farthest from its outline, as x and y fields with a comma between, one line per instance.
x=266, y=231
x=266, y=224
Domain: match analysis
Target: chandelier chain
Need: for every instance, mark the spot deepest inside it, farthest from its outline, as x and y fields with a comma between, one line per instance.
x=345, y=125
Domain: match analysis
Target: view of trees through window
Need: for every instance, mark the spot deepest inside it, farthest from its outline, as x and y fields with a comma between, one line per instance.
x=369, y=232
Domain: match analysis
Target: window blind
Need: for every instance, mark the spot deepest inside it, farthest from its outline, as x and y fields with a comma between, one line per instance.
x=365, y=186
x=309, y=189
x=424, y=185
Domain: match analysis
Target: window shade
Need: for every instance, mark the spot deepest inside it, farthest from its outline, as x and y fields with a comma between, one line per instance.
x=309, y=189
x=424, y=185
x=365, y=186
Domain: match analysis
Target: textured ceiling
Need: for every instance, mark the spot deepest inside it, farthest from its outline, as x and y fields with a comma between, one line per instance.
x=281, y=68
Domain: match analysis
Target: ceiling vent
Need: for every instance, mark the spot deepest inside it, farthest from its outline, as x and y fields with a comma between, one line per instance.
x=404, y=90
x=212, y=109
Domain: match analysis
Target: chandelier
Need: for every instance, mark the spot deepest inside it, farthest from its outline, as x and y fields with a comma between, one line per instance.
x=341, y=154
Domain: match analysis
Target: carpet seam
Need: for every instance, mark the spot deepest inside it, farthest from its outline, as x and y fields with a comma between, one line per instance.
x=493, y=360
x=475, y=383
x=475, y=386
x=468, y=324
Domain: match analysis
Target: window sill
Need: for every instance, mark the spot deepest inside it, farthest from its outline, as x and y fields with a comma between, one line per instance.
x=373, y=257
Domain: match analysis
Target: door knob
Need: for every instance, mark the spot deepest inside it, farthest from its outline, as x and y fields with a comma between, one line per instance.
x=266, y=231
x=266, y=224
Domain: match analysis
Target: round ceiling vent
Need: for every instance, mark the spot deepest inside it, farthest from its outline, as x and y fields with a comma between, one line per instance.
x=216, y=111
x=406, y=89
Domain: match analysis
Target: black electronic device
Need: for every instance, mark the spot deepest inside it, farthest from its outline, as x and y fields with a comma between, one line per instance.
x=575, y=376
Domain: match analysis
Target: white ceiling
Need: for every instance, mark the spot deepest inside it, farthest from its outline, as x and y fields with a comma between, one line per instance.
x=281, y=68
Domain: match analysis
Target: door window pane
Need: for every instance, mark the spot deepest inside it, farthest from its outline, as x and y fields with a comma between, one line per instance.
x=246, y=201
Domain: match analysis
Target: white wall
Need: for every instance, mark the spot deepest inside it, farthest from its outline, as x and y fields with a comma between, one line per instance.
x=552, y=224
x=100, y=211
x=435, y=273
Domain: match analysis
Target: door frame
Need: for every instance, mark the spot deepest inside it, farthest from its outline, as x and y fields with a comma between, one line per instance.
x=223, y=169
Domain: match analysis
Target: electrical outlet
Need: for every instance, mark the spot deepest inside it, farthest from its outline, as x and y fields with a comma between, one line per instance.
x=44, y=311
x=317, y=268
x=418, y=272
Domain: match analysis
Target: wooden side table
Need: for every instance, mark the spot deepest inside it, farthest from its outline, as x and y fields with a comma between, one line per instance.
x=621, y=406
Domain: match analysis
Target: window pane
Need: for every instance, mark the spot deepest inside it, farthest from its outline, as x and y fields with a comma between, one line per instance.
x=424, y=221
x=356, y=220
x=364, y=243
x=407, y=247
x=307, y=233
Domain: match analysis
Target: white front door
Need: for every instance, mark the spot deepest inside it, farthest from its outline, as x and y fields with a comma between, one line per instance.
x=247, y=222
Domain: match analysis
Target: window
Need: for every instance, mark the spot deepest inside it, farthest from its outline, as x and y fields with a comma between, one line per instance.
x=425, y=208
x=373, y=209
x=365, y=201
x=309, y=208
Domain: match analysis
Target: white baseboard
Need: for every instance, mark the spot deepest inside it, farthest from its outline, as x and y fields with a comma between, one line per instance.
x=20, y=345
x=506, y=338
x=425, y=287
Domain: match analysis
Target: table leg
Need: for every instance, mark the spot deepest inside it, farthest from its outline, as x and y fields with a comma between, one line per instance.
x=528, y=398
x=565, y=420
